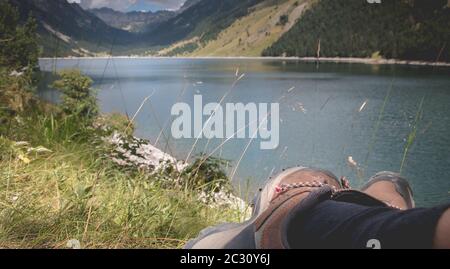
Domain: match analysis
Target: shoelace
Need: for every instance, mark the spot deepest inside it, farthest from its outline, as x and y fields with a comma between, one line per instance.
x=311, y=184
x=315, y=184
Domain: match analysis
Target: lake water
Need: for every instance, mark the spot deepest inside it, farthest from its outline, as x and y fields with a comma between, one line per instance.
x=321, y=122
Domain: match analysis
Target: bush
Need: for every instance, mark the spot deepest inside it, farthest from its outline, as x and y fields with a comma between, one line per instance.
x=78, y=98
x=376, y=56
x=207, y=174
x=284, y=19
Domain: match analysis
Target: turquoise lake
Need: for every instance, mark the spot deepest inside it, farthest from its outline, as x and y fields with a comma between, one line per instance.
x=328, y=112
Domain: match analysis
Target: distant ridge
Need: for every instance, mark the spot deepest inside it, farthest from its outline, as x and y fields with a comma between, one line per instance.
x=67, y=29
x=135, y=21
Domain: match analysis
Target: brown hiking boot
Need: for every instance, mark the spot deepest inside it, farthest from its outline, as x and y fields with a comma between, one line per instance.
x=272, y=206
x=290, y=193
x=293, y=179
x=391, y=189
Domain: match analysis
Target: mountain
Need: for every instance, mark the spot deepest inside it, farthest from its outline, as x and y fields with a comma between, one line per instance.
x=136, y=21
x=66, y=29
x=403, y=29
x=248, y=35
x=407, y=29
x=203, y=19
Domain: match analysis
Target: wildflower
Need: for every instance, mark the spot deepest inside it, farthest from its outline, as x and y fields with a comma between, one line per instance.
x=24, y=159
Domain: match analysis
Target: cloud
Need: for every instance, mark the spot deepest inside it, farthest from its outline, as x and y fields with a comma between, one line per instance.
x=125, y=5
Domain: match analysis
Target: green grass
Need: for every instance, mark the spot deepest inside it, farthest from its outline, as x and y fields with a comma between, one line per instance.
x=73, y=191
x=412, y=135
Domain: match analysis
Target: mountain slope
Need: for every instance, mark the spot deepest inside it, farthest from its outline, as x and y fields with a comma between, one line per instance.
x=66, y=29
x=204, y=19
x=407, y=29
x=250, y=35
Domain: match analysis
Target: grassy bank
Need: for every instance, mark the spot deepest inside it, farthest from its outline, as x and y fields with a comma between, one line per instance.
x=60, y=185
x=72, y=193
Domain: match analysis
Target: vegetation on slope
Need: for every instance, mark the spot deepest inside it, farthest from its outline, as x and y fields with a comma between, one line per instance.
x=250, y=35
x=407, y=29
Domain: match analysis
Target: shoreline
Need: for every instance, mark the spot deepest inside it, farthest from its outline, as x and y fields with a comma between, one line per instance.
x=347, y=60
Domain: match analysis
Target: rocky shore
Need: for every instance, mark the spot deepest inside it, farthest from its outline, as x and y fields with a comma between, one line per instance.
x=140, y=153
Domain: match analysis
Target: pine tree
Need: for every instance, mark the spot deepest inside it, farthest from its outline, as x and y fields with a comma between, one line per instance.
x=18, y=43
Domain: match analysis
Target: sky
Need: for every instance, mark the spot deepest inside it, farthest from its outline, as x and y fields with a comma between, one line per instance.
x=130, y=5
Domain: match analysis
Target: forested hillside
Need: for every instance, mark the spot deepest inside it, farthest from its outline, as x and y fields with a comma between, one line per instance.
x=406, y=29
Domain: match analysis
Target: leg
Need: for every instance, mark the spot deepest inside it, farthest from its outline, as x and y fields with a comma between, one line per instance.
x=340, y=225
x=442, y=235
x=335, y=224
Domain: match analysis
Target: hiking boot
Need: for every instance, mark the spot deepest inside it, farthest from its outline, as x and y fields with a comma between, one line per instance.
x=392, y=189
x=293, y=190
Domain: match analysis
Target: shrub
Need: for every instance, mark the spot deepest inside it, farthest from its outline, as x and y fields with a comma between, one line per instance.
x=284, y=19
x=376, y=56
x=78, y=98
x=207, y=174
